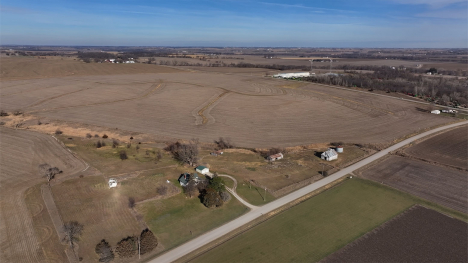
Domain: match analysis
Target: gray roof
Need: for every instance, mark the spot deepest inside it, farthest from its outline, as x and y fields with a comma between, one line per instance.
x=329, y=153
x=201, y=167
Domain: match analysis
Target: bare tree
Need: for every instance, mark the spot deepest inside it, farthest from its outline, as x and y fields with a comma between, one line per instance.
x=104, y=250
x=191, y=188
x=73, y=231
x=185, y=152
x=445, y=99
x=224, y=143
x=131, y=202
x=49, y=172
x=162, y=190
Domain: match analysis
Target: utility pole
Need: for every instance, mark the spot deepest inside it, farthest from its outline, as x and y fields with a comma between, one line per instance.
x=323, y=169
x=139, y=257
x=250, y=184
x=311, y=63
x=264, y=196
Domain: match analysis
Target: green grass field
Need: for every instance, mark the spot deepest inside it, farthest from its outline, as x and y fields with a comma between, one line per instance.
x=253, y=195
x=178, y=219
x=319, y=226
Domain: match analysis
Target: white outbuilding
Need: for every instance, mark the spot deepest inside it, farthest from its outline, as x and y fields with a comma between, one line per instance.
x=329, y=155
x=112, y=183
x=292, y=75
x=435, y=112
x=275, y=157
x=202, y=169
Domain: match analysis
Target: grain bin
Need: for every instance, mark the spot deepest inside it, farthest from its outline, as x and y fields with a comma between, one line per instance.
x=339, y=149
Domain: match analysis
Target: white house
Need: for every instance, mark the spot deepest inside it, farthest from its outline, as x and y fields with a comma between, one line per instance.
x=112, y=183
x=275, y=157
x=202, y=169
x=329, y=155
x=435, y=112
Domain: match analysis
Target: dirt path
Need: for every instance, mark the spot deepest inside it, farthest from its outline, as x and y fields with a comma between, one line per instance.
x=214, y=234
x=234, y=193
x=202, y=110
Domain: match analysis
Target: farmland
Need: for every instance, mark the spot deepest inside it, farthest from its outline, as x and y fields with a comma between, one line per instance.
x=318, y=226
x=417, y=235
x=25, y=225
x=253, y=111
x=448, y=148
x=438, y=184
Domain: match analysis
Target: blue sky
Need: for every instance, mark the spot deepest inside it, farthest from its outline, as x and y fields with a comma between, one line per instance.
x=372, y=23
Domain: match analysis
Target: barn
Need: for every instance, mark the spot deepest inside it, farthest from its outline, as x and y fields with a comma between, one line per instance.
x=202, y=169
x=329, y=155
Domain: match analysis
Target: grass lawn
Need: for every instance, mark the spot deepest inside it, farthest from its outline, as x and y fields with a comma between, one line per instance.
x=107, y=159
x=295, y=167
x=253, y=195
x=178, y=219
x=319, y=226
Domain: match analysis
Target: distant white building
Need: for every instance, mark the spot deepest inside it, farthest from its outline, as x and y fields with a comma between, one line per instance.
x=292, y=75
x=435, y=112
x=112, y=182
x=329, y=155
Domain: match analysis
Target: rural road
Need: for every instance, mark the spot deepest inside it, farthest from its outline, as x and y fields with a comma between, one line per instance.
x=214, y=234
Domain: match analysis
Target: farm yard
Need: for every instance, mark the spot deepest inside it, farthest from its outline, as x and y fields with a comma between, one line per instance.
x=448, y=148
x=319, y=226
x=417, y=235
x=253, y=172
x=25, y=223
x=441, y=185
x=252, y=111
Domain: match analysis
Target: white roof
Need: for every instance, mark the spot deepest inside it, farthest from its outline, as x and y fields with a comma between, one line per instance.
x=329, y=153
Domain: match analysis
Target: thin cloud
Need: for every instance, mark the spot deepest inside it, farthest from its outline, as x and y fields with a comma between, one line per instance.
x=431, y=3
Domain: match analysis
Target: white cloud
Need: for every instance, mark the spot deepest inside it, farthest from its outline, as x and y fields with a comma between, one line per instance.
x=432, y=3
x=446, y=14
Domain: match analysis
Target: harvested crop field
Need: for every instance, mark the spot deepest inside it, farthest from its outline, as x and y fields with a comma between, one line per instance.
x=417, y=235
x=448, y=148
x=441, y=185
x=32, y=68
x=25, y=226
x=253, y=111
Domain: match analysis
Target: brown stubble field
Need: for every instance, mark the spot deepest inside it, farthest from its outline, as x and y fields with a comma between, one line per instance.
x=253, y=111
x=417, y=235
x=25, y=226
x=448, y=148
x=445, y=186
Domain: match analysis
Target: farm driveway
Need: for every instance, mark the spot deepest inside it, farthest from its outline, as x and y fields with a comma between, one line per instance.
x=233, y=192
x=201, y=241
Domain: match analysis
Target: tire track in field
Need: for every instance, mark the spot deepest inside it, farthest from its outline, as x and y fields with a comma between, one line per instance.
x=151, y=90
x=55, y=97
x=202, y=110
x=225, y=89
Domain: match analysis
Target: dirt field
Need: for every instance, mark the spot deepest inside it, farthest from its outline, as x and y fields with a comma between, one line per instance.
x=254, y=111
x=448, y=148
x=25, y=226
x=417, y=235
x=441, y=185
x=19, y=68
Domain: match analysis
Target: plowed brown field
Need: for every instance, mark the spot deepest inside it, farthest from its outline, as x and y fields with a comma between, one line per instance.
x=417, y=235
x=253, y=111
x=25, y=227
x=449, y=148
x=445, y=186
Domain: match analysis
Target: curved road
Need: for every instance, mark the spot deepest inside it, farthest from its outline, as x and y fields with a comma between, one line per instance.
x=214, y=234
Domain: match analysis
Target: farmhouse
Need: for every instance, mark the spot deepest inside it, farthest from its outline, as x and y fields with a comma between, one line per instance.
x=275, y=157
x=185, y=178
x=202, y=169
x=329, y=155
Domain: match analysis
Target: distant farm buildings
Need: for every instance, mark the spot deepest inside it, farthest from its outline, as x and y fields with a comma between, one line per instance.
x=329, y=155
x=435, y=112
x=275, y=157
x=112, y=183
x=292, y=75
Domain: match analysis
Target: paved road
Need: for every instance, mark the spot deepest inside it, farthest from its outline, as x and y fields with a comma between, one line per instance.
x=255, y=213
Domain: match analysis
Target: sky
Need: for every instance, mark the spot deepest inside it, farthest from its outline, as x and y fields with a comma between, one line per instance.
x=236, y=23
